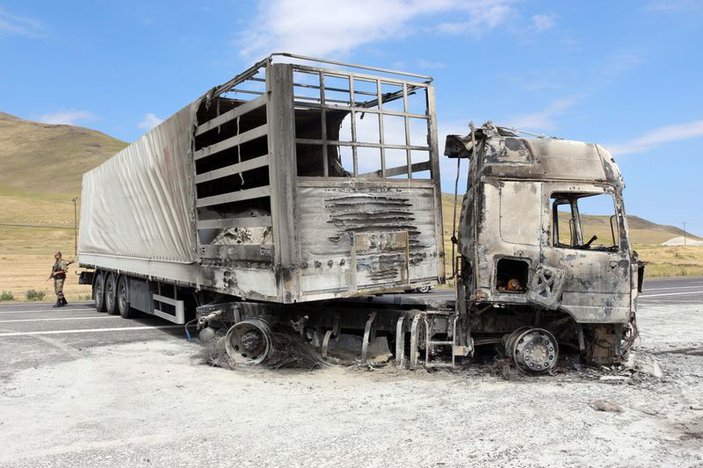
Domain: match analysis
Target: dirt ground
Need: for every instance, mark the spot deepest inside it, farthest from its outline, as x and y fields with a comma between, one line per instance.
x=154, y=403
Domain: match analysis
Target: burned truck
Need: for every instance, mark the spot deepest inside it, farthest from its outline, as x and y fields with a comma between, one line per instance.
x=288, y=201
x=544, y=254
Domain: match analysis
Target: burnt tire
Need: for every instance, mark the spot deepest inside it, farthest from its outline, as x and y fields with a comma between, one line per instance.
x=99, y=291
x=111, y=294
x=123, y=307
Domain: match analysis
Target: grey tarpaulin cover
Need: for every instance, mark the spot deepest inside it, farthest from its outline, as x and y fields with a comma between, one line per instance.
x=140, y=202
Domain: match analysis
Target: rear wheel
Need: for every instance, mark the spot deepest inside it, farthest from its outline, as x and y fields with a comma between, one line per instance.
x=424, y=289
x=123, y=306
x=111, y=294
x=99, y=291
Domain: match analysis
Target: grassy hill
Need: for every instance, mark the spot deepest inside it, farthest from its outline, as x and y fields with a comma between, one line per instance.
x=41, y=173
x=41, y=167
x=46, y=161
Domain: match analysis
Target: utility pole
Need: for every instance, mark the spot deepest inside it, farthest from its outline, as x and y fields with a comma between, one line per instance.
x=75, y=227
x=684, y=233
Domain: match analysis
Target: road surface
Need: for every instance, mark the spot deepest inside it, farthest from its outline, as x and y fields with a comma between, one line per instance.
x=81, y=388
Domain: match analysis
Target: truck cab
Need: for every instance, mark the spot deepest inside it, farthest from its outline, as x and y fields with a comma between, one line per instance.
x=543, y=242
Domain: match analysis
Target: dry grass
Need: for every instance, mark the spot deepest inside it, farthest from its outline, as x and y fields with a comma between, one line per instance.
x=671, y=260
x=27, y=252
x=21, y=273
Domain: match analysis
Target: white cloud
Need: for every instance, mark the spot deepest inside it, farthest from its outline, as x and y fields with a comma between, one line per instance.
x=300, y=27
x=544, y=119
x=149, y=121
x=672, y=6
x=67, y=117
x=543, y=22
x=19, y=25
x=658, y=136
x=481, y=16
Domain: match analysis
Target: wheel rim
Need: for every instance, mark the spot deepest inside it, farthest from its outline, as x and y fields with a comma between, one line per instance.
x=249, y=342
x=533, y=349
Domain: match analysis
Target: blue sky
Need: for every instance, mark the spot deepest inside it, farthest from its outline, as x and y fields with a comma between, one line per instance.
x=625, y=74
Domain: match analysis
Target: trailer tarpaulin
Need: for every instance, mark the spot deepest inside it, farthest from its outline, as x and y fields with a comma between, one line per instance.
x=140, y=202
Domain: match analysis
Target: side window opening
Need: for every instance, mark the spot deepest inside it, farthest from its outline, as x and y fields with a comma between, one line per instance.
x=586, y=221
x=511, y=275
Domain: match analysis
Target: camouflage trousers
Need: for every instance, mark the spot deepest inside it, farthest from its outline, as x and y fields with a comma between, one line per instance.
x=58, y=287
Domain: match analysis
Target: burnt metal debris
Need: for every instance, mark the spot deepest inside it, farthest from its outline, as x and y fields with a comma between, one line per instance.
x=285, y=200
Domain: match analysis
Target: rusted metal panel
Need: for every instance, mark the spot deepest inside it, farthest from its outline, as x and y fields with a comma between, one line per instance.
x=357, y=236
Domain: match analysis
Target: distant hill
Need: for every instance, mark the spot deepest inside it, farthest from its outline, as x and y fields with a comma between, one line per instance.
x=46, y=161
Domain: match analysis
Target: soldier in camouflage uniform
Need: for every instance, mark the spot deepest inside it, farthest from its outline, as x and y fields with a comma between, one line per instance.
x=58, y=273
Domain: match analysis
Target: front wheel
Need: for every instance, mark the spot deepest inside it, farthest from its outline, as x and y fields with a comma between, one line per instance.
x=424, y=289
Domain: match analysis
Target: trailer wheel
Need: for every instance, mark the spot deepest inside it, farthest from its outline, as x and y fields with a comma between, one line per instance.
x=111, y=294
x=99, y=291
x=249, y=342
x=123, y=306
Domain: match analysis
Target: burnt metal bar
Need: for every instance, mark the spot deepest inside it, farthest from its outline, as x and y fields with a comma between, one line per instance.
x=283, y=175
x=224, y=223
x=240, y=195
x=313, y=141
x=381, y=133
x=323, y=127
x=223, y=145
x=231, y=115
x=243, y=166
x=398, y=170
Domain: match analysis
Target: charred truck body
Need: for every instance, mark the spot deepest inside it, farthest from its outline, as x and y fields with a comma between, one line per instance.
x=283, y=200
x=535, y=271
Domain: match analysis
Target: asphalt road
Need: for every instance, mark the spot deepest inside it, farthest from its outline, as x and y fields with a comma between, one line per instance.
x=672, y=291
x=35, y=334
